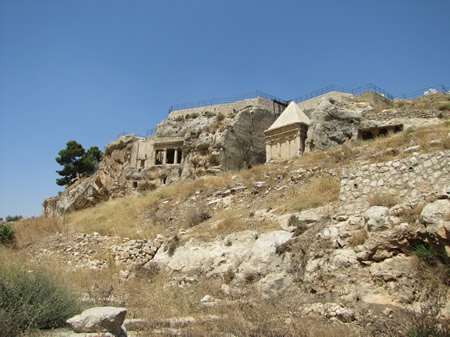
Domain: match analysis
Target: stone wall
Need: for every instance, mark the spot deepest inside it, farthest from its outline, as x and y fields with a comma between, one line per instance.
x=391, y=114
x=405, y=179
x=230, y=108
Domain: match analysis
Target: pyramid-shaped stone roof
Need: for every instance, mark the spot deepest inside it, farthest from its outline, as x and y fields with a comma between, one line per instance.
x=291, y=115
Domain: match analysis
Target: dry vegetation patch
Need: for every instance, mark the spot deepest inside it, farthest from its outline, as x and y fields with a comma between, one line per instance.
x=383, y=199
x=318, y=191
x=34, y=229
x=359, y=237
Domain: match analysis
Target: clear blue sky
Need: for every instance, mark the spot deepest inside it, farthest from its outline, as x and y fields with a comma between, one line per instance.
x=87, y=70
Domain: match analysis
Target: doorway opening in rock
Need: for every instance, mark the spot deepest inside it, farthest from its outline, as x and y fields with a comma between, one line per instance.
x=170, y=159
x=135, y=184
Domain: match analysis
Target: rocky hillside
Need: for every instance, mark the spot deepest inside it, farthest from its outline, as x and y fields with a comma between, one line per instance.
x=282, y=249
x=207, y=141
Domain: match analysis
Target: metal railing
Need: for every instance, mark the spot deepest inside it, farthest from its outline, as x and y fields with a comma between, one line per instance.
x=312, y=94
x=332, y=87
x=125, y=133
x=226, y=100
x=421, y=92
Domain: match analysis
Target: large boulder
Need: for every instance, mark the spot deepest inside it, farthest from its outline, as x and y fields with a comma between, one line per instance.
x=242, y=145
x=376, y=218
x=100, y=319
x=78, y=196
x=436, y=217
x=331, y=124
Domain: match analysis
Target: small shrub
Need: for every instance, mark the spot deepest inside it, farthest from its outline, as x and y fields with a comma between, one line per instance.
x=427, y=323
x=32, y=300
x=423, y=250
x=172, y=245
x=208, y=113
x=383, y=199
x=191, y=116
x=179, y=118
x=196, y=215
x=444, y=106
x=358, y=238
x=283, y=248
x=7, y=233
x=300, y=227
x=220, y=117
x=400, y=104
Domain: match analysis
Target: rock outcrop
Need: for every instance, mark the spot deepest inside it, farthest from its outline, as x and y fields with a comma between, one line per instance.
x=244, y=256
x=100, y=319
x=194, y=142
x=188, y=144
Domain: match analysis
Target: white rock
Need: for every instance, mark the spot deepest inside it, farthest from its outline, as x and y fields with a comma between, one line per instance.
x=100, y=319
x=434, y=216
x=435, y=212
x=376, y=218
x=343, y=258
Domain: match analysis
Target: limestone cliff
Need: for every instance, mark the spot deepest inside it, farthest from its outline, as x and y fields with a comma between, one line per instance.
x=194, y=142
x=188, y=144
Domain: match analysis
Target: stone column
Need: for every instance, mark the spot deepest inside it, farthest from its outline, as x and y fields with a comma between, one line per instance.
x=175, y=159
x=165, y=157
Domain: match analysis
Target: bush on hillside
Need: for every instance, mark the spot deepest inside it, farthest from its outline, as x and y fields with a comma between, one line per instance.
x=10, y=218
x=383, y=199
x=32, y=300
x=6, y=233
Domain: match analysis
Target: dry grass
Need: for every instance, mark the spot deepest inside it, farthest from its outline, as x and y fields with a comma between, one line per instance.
x=383, y=199
x=256, y=173
x=196, y=215
x=412, y=215
x=358, y=238
x=118, y=217
x=311, y=159
x=318, y=191
x=425, y=102
x=127, y=217
x=34, y=229
x=223, y=223
x=161, y=297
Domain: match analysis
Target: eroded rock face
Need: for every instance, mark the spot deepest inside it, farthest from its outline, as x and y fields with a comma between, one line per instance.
x=207, y=142
x=242, y=146
x=80, y=196
x=248, y=256
x=337, y=120
x=332, y=123
x=367, y=256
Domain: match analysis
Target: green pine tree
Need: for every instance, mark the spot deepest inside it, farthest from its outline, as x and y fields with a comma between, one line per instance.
x=77, y=162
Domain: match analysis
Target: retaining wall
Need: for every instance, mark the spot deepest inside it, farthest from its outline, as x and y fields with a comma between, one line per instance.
x=406, y=179
x=388, y=115
x=231, y=108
